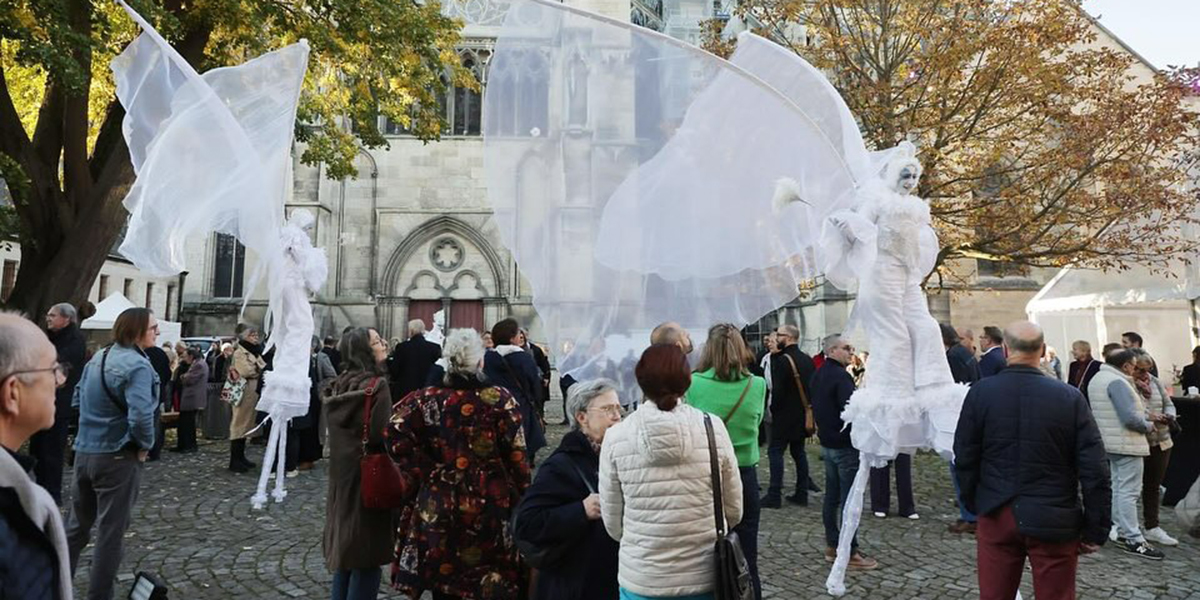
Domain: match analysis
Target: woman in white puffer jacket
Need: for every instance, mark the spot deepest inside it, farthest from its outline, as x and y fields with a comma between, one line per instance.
x=656, y=495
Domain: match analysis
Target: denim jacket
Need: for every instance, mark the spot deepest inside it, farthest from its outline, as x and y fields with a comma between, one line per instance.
x=103, y=426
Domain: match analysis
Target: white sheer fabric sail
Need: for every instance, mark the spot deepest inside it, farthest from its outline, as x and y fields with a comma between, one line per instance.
x=632, y=176
x=210, y=151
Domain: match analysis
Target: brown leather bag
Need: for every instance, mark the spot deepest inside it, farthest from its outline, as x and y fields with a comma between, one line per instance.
x=810, y=422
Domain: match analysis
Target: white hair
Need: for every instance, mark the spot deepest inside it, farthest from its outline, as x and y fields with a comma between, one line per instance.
x=416, y=327
x=580, y=396
x=463, y=351
x=18, y=343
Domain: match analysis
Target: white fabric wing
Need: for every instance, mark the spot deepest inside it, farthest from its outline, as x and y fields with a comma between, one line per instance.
x=632, y=177
x=210, y=152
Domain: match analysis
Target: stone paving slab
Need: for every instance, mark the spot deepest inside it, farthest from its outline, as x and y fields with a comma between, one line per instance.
x=194, y=527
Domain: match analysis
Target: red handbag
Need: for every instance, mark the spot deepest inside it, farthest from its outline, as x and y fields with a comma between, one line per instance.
x=384, y=486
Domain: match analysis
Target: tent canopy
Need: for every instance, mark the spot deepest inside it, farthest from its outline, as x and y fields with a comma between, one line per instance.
x=111, y=307
x=1097, y=307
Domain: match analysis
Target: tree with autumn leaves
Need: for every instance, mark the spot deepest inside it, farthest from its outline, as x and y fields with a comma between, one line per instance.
x=62, y=153
x=1040, y=147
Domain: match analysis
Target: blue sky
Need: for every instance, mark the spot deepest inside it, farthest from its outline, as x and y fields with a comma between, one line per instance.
x=1166, y=32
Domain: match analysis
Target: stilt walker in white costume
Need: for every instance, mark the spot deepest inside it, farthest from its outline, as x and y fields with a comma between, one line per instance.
x=212, y=154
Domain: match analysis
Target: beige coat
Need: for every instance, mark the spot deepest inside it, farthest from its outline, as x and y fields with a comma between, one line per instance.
x=355, y=537
x=656, y=499
x=250, y=368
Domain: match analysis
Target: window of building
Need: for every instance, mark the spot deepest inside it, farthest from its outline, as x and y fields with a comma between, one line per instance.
x=462, y=108
x=229, y=268
x=9, y=280
x=170, y=302
x=127, y=289
x=149, y=296
x=103, y=288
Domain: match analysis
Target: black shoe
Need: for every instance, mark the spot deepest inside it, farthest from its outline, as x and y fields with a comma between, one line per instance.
x=1141, y=549
x=812, y=487
x=770, y=502
x=798, y=500
x=177, y=450
x=237, y=467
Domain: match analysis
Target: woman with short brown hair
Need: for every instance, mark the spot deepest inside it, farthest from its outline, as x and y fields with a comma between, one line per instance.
x=660, y=455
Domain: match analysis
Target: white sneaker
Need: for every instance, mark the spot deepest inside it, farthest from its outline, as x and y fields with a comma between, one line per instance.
x=880, y=515
x=1112, y=533
x=1158, y=536
x=914, y=516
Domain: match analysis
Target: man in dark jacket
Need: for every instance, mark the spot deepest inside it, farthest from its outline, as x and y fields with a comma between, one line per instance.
x=791, y=371
x=33, y=548
x=965, y=369
x=1190, y=378
x=330, y=350
x=543, y=364
x=512, y=368
x=992, y=360
x=1026, y=449
x=411, y=361
x=47, y=447
x=162, y=366
x=832, y=386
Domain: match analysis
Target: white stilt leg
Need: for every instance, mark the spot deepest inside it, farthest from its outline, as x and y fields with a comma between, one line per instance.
x=260, y=497
x=835, y=584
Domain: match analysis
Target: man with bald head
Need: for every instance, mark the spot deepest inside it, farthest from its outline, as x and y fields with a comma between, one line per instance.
x=672, y=333
x=33, y=545
x=1026, y=450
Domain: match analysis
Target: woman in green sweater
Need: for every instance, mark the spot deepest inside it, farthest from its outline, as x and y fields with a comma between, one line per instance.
x=723, y=387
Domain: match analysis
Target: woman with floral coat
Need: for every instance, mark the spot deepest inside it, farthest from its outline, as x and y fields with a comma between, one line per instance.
x=462, y=442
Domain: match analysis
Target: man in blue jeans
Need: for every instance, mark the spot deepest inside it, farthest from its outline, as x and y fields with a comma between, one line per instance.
x=832, y=386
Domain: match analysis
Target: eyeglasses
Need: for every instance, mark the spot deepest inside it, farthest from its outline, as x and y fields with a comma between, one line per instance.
x=61, y=370
x=611, y=410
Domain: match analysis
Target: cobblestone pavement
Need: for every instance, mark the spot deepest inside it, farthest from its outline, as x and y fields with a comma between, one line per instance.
x=193, y=526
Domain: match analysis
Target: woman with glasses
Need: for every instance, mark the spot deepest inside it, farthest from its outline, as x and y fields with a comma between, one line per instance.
x=117, y=397
x=1158, y=402
x=357, y=540
x=723, y=387
x=463, y=445
x=561, y=510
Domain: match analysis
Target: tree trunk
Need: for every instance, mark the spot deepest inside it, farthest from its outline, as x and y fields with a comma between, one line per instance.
x=60, y=265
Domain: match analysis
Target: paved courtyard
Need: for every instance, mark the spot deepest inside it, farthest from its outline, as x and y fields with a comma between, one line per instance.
x=194, y=527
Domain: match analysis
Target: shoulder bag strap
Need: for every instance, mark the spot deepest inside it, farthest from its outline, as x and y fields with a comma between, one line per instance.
x=104, y=383
x=583, y=477
x=741, y=399
x=368, y=401
x=718, y=508
x=799, y=385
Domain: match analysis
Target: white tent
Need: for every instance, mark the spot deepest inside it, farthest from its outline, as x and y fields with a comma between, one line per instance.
x=1097, y=307
x=111, y=307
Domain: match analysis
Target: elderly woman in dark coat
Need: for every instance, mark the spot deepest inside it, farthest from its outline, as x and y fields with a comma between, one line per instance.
x=357, y=540
x=463, y=445
x=562, y=509
x=192, y=397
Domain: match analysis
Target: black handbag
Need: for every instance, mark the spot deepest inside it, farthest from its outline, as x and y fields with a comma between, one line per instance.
x=733, y=572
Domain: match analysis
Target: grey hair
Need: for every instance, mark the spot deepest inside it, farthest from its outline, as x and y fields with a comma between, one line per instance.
x=1140, y=355
x=580, y=396
x=416, y=327
x=463, y=351
x=17, y=350
x=830, y=342
x=67, y=310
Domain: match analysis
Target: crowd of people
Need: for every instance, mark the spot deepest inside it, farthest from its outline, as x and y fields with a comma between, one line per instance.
x=630, y=502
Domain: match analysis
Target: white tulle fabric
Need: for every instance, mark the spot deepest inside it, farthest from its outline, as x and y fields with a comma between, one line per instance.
x=637, y=179
x=632, y=177
x=211, y=153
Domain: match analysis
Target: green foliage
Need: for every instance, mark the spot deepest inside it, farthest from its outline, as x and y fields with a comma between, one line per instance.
x=369, y=58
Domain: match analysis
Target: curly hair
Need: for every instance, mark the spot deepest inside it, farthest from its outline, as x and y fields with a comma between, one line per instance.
x=463, y=351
